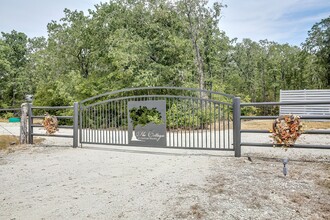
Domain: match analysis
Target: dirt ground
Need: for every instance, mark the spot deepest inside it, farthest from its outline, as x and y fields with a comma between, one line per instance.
x=39, y=182
x=115, y=182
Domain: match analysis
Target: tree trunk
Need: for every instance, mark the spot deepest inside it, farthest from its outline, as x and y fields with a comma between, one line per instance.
x=198, y=58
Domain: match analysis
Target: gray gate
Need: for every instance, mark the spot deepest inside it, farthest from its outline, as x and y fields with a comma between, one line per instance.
x=159, y=117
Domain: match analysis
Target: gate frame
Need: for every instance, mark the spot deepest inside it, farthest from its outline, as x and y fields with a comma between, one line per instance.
x=100, y=100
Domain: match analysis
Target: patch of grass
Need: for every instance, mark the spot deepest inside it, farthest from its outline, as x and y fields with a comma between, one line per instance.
x=35, y=120
x=10, y=140
x=267, y=124
x=38, y=121
x=7, y=140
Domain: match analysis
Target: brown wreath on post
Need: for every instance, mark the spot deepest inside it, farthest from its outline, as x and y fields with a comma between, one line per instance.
x=286, y=130
x=50, y=123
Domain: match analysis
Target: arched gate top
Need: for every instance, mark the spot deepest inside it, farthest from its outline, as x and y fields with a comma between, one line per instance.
x=157, y=90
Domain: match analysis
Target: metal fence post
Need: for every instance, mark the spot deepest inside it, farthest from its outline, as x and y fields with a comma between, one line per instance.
x=80, y=126
x=237, y=125
x=30, y=130
x=75, y=124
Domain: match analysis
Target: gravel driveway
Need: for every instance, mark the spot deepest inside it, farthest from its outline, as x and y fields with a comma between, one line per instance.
x=114, y=182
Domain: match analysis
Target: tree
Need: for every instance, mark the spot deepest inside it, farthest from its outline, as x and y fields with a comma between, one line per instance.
x=14, y=46
x=202, y=23
x=318, y=43
x=5, y=71
x=124, y=43
x=70, y=39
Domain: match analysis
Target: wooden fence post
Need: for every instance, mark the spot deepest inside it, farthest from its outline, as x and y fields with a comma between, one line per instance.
x=23, y=125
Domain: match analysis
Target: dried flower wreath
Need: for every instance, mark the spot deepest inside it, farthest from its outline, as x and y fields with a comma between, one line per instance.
x=286, y=130
x=50, y=123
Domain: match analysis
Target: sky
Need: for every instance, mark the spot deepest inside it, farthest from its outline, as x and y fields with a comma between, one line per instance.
x=282, y=21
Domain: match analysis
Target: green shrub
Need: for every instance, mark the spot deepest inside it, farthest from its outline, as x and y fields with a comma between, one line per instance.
x=8, y=115
x=143, y=116
x=186, y=115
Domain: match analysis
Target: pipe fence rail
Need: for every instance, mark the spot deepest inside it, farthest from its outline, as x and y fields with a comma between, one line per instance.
x=74, y=118
x=305, y=117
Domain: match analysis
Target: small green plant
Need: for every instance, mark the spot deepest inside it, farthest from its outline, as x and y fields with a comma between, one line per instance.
x=8, y=115
x=142, y=116
x=185, y=115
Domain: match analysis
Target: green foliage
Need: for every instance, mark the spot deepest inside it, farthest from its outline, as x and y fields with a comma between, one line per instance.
x=123, y=44
x=13, y=61
x=59, y=91
x=185, y=115
x=143, y=116
x=248, y=110
x=7, y=115
x=318, y=44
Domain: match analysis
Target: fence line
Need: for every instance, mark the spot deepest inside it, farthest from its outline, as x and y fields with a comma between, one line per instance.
x=300, y=103
x=235, y=108
x=74, y=136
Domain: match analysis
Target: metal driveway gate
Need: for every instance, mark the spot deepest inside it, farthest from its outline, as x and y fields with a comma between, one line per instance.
x=159, y=117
